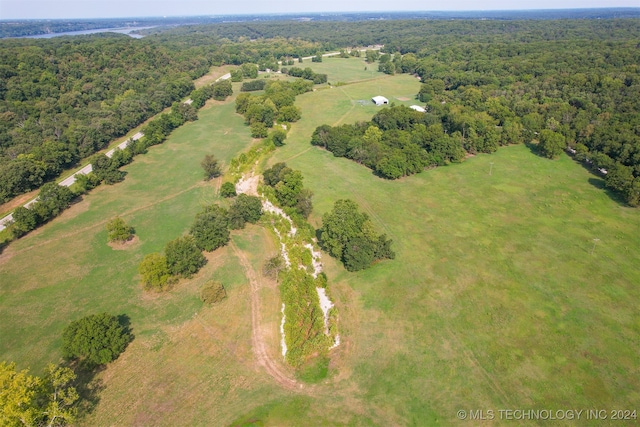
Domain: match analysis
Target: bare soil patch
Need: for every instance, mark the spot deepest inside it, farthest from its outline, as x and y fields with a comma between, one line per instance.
x=214, y=74
x=123, y=246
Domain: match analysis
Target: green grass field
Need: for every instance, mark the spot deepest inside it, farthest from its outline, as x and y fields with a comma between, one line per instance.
x=497, y=298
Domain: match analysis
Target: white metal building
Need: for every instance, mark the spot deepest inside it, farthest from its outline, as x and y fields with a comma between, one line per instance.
x=380, y=100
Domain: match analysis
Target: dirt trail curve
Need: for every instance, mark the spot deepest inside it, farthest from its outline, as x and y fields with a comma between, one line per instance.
x=257, y=339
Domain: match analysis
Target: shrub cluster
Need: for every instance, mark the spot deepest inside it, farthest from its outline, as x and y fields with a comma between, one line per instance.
x=212, y=292
x=276, y=104
x=253, y=85
x=304, y=326
x=118, y=230
x=181, y=258
x=289, y=190
x=349, y=236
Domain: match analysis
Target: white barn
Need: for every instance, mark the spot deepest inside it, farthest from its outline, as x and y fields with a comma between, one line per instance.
x=418, y=108
x=380, y=100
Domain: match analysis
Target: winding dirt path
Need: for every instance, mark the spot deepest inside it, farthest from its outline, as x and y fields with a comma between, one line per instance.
x=259, y=347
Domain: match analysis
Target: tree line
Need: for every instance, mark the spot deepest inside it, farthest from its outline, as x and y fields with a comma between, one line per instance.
x=182, y=257
x=306, y=73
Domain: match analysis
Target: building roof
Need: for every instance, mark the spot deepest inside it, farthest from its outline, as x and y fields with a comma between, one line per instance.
x=379, y=100
x=418, y=108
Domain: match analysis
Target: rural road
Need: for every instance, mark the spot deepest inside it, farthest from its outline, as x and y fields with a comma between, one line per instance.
x=68, y=182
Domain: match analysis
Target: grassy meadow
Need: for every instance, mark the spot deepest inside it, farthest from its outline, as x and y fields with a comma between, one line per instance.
x=497, y=298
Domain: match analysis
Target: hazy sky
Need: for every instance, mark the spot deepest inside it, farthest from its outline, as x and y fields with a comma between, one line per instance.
x=44, y=9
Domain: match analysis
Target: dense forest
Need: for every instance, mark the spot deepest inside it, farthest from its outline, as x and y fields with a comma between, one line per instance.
x=578, y=94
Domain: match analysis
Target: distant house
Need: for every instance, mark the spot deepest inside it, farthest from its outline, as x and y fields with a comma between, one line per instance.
x=418, y=108
x=380, y=100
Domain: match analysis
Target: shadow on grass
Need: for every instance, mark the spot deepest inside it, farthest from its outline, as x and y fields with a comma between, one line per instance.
x=534, y=149
x=87, y=385
x=613, y=195
x=125, y=321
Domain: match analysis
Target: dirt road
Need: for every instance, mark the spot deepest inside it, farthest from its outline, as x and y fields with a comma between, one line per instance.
x=259, y=347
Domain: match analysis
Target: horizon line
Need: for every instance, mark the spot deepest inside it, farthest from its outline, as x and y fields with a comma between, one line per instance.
x=629, y=8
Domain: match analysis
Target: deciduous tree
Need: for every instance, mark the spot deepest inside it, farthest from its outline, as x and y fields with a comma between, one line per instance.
x=27, y=400
x=227, y=189
x=210, y=166
x=245, y=209
x=183, y=256
x=95, y=339
x=211, y=228
x=118, y=230
x=222, y=89
x=348, y=235
x=154, y=272
x=551, y=144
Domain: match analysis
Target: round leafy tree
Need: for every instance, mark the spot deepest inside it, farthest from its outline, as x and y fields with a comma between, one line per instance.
x=154, y=272
x=245, y=209
x=118, y=230
x=96, y=339
x=349, y=235
x=211, y=228
x=228, y=189
x=183, y=256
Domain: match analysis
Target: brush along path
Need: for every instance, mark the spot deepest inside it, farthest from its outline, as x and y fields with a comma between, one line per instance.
x=257, y=339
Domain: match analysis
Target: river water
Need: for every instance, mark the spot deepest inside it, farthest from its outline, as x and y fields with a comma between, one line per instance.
x=126, y=30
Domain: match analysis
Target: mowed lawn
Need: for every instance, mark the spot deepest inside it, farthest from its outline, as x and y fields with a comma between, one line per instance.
x=497, y=298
